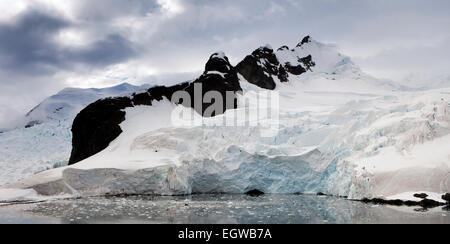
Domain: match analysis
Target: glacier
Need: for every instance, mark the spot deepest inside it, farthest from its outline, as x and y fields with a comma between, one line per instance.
x=350, y=150
x=341, y=132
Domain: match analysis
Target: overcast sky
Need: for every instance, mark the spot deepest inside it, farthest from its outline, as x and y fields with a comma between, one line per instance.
x=46, y=45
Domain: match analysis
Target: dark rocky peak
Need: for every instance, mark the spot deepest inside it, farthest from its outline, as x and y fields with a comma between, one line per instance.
x=283, y=48
x=263, y=65
x=259, y=67
x=306, y=39
x=218, y=62
x=219, y=70
x=219, y=76
x=266, y=55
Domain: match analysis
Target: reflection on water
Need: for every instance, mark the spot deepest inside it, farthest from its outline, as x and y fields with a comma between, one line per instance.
x=220, y=209
x=14, y=217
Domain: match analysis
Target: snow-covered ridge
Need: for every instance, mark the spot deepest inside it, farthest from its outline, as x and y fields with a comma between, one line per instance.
x=68, y=102
x=317, y=66
x=326, y=57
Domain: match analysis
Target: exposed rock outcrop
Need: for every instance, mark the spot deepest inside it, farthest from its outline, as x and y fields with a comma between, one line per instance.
x=259, y=67
x=305, y=40
x=446, y=197
x=283, y=48
x=421, y=195
x=254, y=193
x=96, y=126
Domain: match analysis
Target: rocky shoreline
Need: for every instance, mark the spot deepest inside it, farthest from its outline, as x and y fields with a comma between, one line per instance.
x=424, y=203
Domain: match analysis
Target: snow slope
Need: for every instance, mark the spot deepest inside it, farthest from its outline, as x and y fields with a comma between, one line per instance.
x=339, y=132
x=47, y=144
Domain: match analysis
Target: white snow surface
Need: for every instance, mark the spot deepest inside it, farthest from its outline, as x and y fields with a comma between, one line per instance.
x=340, y=132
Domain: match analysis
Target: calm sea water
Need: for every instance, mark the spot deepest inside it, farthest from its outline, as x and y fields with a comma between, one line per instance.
x=218, y=209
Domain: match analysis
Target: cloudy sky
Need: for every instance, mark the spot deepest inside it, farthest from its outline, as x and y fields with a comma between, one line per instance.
x=46, y=45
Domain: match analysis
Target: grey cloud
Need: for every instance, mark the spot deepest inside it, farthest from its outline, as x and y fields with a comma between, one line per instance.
x=25, y=45
x=401, y=62
x=113, y=49
x=28, y=46
x=104, y=10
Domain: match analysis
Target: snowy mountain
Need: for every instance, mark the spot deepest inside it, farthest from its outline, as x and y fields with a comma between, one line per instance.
x=68, y=102
x=46, y=140
x=334, y=130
